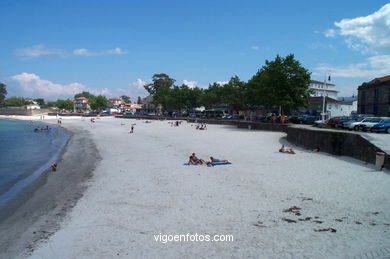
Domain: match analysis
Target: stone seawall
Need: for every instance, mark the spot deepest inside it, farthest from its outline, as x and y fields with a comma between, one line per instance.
x=23, y=112
x=336, y=143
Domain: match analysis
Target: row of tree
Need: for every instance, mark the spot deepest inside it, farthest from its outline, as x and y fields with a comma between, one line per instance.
x=281, y=83
x=95, y=102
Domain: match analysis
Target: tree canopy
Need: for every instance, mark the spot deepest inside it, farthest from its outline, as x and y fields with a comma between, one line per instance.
x=84, y=94
x=3, y=91
x=98, y=102
x=40, y=101
x=15, y=102
x=160, y=81
x=282, y=82
x=64, y=104
x=125, y=98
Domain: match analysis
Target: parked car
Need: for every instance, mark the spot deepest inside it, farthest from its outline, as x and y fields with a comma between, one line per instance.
x=333, y=121
x=384, y=126
x=340, y=123
x=354, y=124
x=369, y=123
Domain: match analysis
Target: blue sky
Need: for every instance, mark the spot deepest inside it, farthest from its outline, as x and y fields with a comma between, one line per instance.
x=54, y=49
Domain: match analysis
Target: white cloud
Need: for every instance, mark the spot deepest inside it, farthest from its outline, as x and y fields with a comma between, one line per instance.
x=86, y=52
x=319, y=45
x=82, y=52
x=331, y=33
x=375, y=66
x=117, y=51
x=367, y=34
x=190, y=84
x=33, y=85
x=139, y=83
x=41, y=50
x=37, y=51
x=222, y=82
x=255, y=47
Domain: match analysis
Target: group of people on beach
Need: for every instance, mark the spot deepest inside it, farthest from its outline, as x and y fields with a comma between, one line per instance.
x=201, y=126
x=194, y=160
x=175, y=123
x=291, y=151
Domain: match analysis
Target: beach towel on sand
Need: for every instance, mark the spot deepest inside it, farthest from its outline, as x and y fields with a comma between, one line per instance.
x=211, y=164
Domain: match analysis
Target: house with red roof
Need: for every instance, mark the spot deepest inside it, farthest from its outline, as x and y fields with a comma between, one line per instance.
x=81, y=105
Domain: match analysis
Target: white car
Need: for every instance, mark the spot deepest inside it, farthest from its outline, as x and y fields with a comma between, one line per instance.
x=355, y=125
x=368, y=124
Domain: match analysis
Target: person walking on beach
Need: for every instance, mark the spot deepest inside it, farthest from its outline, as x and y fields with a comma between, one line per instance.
x=132, y=129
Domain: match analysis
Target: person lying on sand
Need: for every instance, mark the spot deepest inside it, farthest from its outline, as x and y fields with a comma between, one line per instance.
x=288, y=151
x=195, y=161
x=317, y=149
x=215, y=160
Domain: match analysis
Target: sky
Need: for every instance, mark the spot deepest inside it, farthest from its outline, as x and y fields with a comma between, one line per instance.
x=55, y=49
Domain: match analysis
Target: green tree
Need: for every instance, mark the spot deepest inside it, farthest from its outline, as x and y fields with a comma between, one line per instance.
x=15, y=102
x=139, y=100
x=64, y=104
x=98, y=102
x=160, y=81
x=126, y=99
x=3, y=91
x=282, y=82
x=234, y=93
x=40, y=101
x=212, y=95
x=84, y=94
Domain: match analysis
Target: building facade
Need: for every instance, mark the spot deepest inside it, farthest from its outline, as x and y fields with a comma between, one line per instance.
x=374, y=97
x=115, y=103
x=81, y=105
x=323, y=89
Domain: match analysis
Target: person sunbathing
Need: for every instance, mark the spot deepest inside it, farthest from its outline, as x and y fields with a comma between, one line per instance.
x=317, y=149
x=196, y=161
x=288, y=151
x=215, y=160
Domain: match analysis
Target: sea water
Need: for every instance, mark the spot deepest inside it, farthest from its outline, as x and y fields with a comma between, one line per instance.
x=25, y=154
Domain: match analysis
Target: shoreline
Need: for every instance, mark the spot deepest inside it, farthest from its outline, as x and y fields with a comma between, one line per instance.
x=40, y=207
x=33, y=173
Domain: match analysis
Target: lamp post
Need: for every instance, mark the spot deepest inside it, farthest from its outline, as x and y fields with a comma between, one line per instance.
x=327, y=78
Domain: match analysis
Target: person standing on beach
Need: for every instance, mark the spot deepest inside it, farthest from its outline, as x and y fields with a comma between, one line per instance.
x=132, y=129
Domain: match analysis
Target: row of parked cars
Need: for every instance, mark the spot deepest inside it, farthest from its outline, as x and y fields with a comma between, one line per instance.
x=363, y=123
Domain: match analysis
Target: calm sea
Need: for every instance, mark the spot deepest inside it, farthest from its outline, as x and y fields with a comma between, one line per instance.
x=25, y=154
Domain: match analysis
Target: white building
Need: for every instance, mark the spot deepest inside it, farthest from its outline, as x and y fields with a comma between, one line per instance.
x=32, y=107
x=323, y=89
x=341, y=108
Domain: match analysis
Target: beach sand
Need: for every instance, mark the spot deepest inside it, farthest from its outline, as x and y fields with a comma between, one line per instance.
x=141, y=188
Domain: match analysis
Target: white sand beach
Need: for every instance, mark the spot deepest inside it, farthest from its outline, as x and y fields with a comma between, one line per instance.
x=141, y=188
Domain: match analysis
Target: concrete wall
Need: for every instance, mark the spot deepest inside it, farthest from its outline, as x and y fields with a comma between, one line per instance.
x=22, y=111
x=336, y=143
